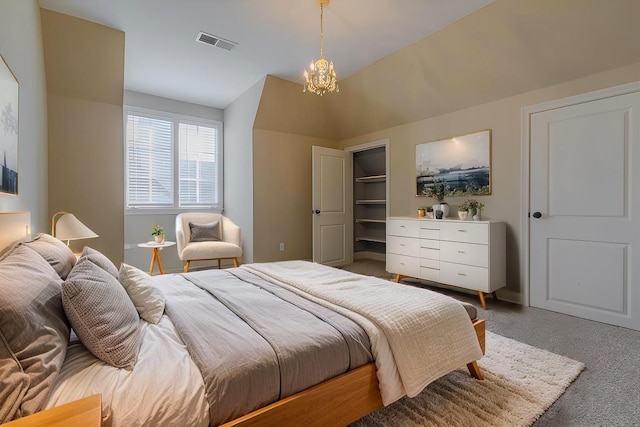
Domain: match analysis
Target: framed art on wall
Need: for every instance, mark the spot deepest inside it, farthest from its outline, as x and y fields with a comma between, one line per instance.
x=8, y=130
x=462, y=163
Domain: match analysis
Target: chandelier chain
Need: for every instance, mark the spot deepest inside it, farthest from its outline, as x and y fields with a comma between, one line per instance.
x=321, y=31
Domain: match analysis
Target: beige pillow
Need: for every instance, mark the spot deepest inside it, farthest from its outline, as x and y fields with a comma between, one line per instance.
x=56, y=253
x=34, y=332
x=146, y=297
x=101, y=314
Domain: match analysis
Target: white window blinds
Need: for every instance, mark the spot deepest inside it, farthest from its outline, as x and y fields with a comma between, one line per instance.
x=172, y=161
x=198, y=164
x=149, y=156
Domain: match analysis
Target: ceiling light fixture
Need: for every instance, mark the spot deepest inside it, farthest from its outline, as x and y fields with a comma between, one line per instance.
x=321, y=77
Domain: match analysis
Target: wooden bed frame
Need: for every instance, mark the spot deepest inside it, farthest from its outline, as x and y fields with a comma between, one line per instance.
x=338, y=401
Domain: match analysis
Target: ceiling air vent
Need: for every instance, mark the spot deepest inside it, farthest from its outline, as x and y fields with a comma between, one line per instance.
x=215, y=41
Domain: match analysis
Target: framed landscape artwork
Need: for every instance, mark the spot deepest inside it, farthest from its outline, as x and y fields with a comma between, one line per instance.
x=8, y=130
x=463, y=163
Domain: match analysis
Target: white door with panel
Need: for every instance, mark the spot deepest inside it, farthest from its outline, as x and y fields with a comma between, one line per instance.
x=585, y=210
x=332, y=207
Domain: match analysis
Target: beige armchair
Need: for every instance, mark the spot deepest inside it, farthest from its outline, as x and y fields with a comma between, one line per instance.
x=228, y=247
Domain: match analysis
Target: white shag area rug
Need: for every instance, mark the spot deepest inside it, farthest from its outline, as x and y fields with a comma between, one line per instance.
x=520, y=383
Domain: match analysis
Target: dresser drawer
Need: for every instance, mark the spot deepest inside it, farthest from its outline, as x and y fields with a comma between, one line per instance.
x=428, y=243
x=403, y=227
x=465, y=253
x=465, y=276
x=402, y=264
x=430, y=230
x=403, y=246
x=430, y=263
x=432, y=274
x=465, y=232
x=430, y=253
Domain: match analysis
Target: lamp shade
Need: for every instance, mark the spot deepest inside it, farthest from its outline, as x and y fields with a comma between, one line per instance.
x=68, y=227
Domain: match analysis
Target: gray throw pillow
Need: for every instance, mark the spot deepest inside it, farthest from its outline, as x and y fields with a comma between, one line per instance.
x=34, y=332
x=204, y=232
x=100, y=260
x=57, y=254
x=101, y=314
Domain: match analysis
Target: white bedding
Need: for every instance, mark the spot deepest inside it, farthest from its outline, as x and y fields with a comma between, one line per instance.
x=428, y=334
x=165, y=382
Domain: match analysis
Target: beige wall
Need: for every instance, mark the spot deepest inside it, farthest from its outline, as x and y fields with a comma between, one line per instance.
x=503, y=117
x=284, y=107
x=21, y=48
x=85, y=85
x=282, y=194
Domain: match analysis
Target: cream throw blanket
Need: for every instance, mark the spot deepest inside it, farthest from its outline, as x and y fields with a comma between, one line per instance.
x=428, y=334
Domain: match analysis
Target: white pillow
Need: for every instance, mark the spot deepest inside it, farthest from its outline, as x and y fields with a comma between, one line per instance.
x=147, y=298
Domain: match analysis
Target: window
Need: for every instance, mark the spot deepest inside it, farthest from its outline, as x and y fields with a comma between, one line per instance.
x=172, y=161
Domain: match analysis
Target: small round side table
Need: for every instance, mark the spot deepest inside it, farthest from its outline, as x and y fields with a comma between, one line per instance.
x=157, y=247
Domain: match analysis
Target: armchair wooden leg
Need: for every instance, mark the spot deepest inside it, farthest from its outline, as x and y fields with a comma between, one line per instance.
x=219, y=264
x=186, y=267
x=474, y=370
x=235, y=262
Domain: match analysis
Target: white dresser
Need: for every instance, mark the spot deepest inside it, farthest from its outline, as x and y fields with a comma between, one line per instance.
x=465, y=254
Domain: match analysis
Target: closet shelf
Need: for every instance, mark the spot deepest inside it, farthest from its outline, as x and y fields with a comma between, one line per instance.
x=372, y=178
x=371, y=239
x=370, y=202
x=377, y=221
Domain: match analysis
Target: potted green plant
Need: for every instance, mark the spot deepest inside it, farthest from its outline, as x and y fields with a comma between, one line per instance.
x=437, y=191
x=158, y=233
x=463, y=210
x=475, y=209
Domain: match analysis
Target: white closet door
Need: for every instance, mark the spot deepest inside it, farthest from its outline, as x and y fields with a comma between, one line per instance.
x=585, y=188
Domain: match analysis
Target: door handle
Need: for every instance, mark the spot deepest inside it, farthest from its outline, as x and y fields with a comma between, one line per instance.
x=537, y=215
x=317, y=212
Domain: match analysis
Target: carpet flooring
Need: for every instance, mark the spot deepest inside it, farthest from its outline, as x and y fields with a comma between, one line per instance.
x=520, y=383
x=607, y=392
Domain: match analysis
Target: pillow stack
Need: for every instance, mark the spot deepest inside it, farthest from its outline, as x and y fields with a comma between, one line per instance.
x=44, y=293
x=104, y=312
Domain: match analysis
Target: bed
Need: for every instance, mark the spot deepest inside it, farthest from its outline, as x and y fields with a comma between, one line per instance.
x=262, y=344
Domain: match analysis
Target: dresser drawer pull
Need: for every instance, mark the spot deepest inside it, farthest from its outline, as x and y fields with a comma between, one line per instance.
x=402, y=226
x=461, y=274
x=401, y=244
x=462, y=231
x=460, y=252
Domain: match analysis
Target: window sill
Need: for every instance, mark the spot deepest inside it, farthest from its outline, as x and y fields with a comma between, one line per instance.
x=170, y=211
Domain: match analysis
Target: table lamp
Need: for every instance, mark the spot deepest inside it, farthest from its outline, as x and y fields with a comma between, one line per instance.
x=68, y=227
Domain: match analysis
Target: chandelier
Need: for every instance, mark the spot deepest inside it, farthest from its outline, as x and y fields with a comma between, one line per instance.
x=321, y=77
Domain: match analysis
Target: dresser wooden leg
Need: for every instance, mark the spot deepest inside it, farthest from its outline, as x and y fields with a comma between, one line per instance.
x=399, y=277
x=495, y=297
x=482, y=301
